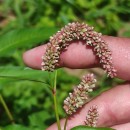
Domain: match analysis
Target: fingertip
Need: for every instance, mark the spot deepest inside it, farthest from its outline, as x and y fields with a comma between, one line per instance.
x=32, y=58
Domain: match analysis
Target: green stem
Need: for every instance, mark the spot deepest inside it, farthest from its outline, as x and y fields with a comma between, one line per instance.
x=55, y=102
x=55, y=80
x=6, y=109
x=65, y=123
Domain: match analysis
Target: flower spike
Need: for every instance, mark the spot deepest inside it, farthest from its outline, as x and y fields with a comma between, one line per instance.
x=78, y=31
x=79, y=96
x=92, y=117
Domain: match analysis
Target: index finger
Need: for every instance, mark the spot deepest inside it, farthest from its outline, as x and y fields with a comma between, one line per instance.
x=78, y=56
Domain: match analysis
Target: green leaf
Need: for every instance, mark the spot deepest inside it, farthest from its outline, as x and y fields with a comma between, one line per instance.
x=23, y=37
x=90, y=128
x=21, y=73
x=15, y=127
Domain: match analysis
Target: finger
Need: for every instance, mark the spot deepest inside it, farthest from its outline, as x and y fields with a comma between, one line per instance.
x=78, y=56
x=33, y=57
x=122, y=127
x=113, y=107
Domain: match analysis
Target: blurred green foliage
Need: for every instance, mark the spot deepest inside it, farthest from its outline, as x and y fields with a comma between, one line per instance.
x=28, y=23
x=108, y=16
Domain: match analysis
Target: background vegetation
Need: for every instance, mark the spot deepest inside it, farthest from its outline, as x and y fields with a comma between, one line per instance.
x=25, y=24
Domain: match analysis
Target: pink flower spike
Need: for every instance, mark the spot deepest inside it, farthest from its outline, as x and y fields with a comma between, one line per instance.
x=77, y=31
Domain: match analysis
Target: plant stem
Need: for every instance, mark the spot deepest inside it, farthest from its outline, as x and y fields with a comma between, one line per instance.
x=55, y=80
x=55, y=102
x=6, y=109
x=65, y=123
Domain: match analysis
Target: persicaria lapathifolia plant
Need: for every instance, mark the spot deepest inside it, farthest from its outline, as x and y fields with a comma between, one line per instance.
x=80, y=95
x=77, y=31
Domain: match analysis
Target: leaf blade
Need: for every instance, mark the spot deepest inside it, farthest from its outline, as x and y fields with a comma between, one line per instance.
x=25, y=74
x=90, y=128
x=23, y=37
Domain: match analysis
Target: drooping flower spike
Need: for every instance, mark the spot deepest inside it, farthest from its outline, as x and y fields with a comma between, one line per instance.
x=77, y=31
x=79, y=96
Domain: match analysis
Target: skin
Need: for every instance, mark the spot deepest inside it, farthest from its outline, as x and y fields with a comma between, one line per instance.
x=114, y=104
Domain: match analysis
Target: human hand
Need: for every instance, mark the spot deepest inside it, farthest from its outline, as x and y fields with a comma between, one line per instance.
x=114, y=105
